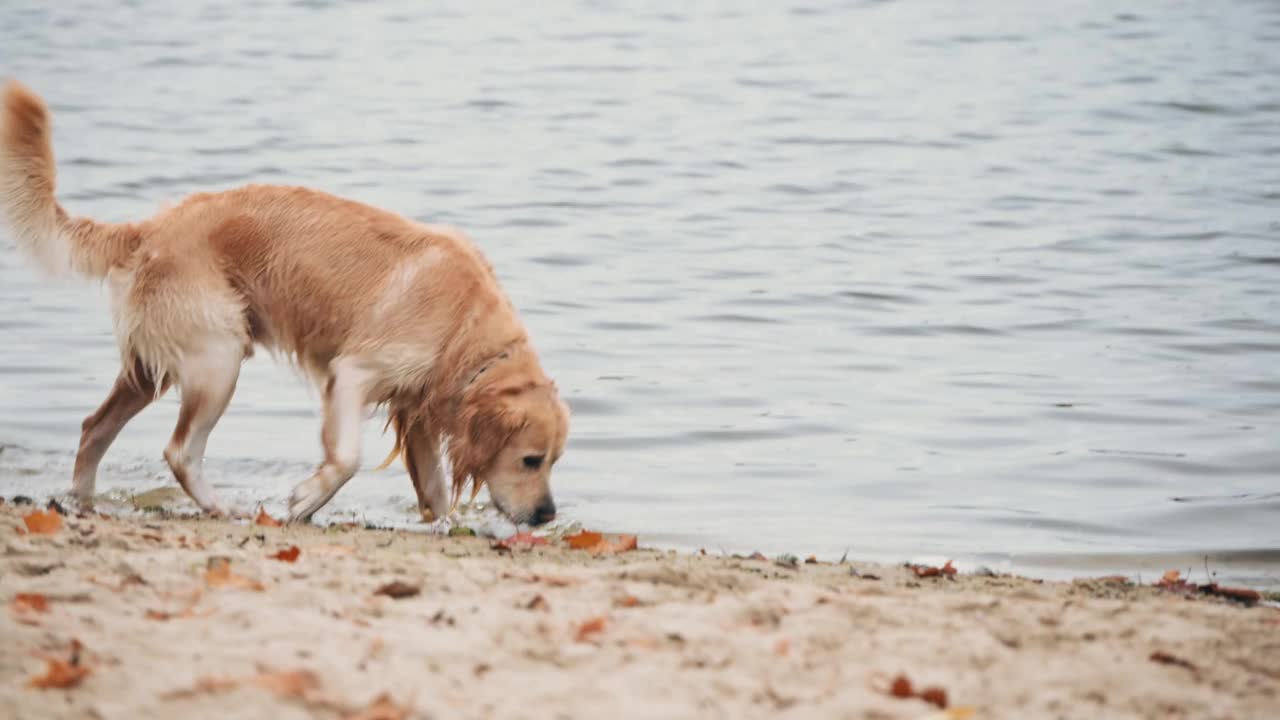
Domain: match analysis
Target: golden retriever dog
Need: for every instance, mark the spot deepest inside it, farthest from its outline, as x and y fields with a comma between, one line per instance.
x=376, y=309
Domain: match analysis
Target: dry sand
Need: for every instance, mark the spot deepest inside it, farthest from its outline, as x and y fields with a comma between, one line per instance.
x=501, y=635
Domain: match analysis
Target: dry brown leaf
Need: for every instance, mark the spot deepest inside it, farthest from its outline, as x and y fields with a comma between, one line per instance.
x=265, y=520
x=924, y=571
x=935, y=696
x=219, y=574
x=61, y=674
x=599, y=544
x=627, y=601
x=382, y=708
x=287, y=683
x=289, y=554
x=538, y=603
x=42, y=522
x=1173, y=582
x=1242, y=595
x=590, y=628
x=397, y=590
x=585, y=540
x=901, y=687
x=27, y=603
x=525, y=540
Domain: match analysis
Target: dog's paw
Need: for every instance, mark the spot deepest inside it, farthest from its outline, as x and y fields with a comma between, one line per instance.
x=307, y=498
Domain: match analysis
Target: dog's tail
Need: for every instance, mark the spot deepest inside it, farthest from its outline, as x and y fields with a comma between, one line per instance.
x=42, y=229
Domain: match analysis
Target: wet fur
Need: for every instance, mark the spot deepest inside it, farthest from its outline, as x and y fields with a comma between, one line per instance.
x=375, y=308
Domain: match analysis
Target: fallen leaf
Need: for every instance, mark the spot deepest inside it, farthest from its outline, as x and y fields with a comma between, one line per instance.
x=627, y=601
x=219, y=574
x=382, y=708
x=1242, y=595
x=599, y=544
x=265, y=520
x=62, y=673
x=287, y=683
x=1165, y=658
x=936, y=696
x=585, y=540
x=538, y=603
x=1173, y=582
x=397, y=590
x=288, y=555
x=924, y=571
x=526, y=540
x=590, y=628
x=41, y=522
x=30, y=603
x=901, y=687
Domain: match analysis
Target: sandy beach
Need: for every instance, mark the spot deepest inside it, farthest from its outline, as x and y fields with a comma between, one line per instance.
x=154, y=617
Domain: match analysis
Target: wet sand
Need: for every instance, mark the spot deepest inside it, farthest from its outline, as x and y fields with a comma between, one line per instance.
x=181, y=618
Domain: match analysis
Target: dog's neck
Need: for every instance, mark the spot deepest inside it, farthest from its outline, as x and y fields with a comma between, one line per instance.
x=470, y=379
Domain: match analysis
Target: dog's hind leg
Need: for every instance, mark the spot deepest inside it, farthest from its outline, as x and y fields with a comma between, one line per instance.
x=345, y=397
x=128, y=397
x=207, y=379
x=422, y=456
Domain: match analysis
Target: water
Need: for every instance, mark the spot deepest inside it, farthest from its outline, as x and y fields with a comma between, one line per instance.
x=995, y=281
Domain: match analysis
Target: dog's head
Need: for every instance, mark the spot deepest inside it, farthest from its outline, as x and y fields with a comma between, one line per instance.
x=509, y=433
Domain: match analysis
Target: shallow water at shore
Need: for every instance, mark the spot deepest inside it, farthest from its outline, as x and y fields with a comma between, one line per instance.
x=902, y=279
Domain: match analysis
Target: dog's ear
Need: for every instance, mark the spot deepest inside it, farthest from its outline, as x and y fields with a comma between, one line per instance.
x=484, y=425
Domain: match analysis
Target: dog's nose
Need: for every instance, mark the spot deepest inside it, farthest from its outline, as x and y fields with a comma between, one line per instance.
x=545, y=513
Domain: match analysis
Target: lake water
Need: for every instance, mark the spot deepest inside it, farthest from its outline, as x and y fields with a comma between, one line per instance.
x=997, y=281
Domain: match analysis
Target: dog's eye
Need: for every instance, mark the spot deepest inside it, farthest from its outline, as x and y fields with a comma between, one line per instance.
x=533, y=462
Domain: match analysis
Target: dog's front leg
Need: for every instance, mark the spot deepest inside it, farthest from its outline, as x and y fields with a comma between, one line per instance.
x=344, y=401
x=422, y=456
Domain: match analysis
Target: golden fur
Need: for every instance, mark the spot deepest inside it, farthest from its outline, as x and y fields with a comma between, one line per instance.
x=375, y=308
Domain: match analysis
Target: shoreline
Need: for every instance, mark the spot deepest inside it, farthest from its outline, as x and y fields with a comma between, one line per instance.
x=194, y=617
